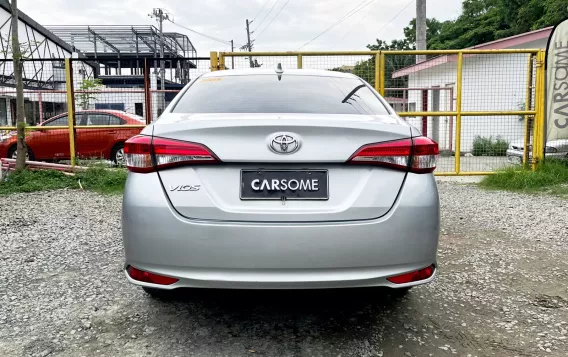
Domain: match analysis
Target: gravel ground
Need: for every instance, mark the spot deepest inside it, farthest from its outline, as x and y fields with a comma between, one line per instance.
x=502, y=291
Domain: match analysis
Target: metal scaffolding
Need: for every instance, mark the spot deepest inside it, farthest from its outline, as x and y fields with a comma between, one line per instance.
x=126, y=47
x=126, y=42
x=36, y=43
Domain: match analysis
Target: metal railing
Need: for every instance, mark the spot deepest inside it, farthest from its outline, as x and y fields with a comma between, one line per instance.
x=62, y=88
x=388, y=75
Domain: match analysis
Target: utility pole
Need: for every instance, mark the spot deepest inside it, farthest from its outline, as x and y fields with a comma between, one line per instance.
x=249, y=44
x=21, y=148
x=161, y=15
x=421, y=46
x=420, y=29
x=232, y=57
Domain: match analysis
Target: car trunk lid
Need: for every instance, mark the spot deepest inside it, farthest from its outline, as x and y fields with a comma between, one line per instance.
x=243, y=144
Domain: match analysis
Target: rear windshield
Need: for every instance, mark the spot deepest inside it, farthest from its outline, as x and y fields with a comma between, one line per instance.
x=289, y=94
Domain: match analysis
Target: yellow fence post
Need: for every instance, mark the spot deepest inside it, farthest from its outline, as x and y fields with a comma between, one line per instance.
x=222, y=61
x=528, y=105
x=70, y=107
x=457, y=167
x=536, y=127
x=214, y=61
x=381, y=75
x=538, y=133
x=378, y=73
x=300, y=61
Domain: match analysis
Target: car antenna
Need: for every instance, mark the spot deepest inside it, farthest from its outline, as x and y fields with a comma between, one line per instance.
x=279, y=71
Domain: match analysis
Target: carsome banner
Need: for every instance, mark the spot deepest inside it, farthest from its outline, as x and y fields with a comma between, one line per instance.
x=557, y=83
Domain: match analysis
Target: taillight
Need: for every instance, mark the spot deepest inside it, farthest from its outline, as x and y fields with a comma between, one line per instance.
x=416, y=155
x=138, y=154
x=417, y=275
x=146, y=154
x=424, y=155
x=173, y=153
x=148, y=277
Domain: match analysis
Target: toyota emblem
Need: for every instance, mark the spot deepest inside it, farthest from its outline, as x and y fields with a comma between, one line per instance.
x=284, y=143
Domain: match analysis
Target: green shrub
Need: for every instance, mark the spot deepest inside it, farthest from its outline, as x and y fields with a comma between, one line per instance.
x=103, y=180
x=499, y=147
x=483, y=146
x=95, y=178
x=41, y=180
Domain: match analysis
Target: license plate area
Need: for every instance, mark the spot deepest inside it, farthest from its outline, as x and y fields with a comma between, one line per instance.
x=284, y=184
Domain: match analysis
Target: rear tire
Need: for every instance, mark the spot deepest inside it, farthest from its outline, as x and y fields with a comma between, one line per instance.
x=117, y=154
x=158, y=293
x=13, y=150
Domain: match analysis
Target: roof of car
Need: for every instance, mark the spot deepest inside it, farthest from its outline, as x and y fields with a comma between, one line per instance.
x=120, y=113
x=303, y=72
x=107, y=111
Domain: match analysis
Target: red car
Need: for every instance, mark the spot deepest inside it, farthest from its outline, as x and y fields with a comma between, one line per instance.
x=90, y=143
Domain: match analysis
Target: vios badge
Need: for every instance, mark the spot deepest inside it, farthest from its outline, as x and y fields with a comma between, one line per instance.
x=284, y=143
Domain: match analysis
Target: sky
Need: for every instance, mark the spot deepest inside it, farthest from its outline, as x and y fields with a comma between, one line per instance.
x=287, y=27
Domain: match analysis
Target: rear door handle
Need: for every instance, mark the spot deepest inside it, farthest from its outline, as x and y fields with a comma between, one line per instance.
x=111, y=132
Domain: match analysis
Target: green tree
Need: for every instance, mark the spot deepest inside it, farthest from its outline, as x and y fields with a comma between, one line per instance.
x=366, y=69
x=488, y=20
x=551, y=13
x=84, y=99
x=480, y=21
x=433, y=28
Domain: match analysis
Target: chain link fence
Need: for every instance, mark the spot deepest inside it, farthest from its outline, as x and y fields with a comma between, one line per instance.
x=480, y=106
x=84, y=109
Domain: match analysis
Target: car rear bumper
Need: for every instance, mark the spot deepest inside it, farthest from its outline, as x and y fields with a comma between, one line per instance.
x=517, y=155
x=213, y=254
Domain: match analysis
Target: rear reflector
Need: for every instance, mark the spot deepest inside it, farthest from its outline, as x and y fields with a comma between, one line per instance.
x=416, y=155
x=417, y=275
x=146, y=154
x=147, y=277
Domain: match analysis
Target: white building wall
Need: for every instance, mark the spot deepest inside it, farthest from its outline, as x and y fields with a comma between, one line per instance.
x=490, y=82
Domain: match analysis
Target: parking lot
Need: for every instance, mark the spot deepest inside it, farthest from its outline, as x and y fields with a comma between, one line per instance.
x=502, y=290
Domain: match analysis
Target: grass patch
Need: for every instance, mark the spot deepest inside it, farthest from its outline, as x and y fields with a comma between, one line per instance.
x=94, y=179
x=550, y=177
x=103, y=180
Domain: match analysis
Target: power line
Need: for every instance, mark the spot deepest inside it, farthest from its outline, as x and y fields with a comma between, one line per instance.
x=202, y=34
x=282, y=8
x=162, y=16
x=352, y=27
x=262, y=8
x=395, y=16
x=265, y=16
x=353, y=11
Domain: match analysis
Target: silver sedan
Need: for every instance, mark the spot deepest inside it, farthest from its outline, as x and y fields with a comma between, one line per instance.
x=555, y=149
x=281, y=180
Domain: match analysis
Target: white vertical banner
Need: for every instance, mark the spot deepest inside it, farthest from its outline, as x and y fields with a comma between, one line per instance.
x=557, y=83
